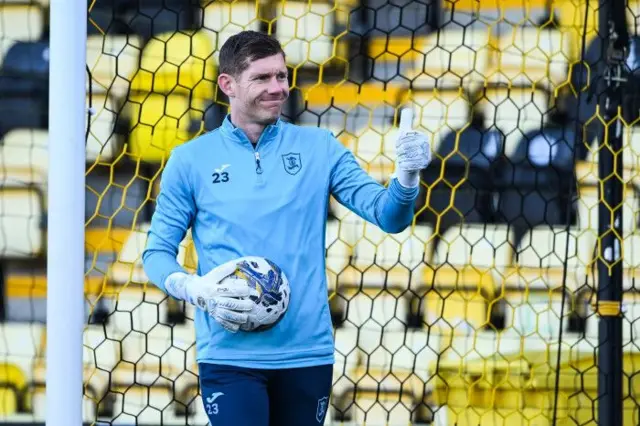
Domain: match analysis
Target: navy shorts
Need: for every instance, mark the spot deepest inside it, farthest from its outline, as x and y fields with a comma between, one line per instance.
x=235, y=396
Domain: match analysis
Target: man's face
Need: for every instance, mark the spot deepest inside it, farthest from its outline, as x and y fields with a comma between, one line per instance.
x=262, y=89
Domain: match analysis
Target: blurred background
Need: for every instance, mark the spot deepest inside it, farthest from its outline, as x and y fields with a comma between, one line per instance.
x=479, y=314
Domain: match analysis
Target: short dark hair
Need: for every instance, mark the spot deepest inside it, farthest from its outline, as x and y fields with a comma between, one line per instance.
x=244, y=47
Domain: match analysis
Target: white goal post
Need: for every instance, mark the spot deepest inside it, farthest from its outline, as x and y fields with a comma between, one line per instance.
x=66, y=212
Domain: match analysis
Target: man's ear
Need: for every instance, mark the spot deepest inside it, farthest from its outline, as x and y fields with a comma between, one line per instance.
x=227, y=84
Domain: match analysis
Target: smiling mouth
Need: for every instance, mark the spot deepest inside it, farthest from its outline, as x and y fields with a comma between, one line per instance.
x=272, y=103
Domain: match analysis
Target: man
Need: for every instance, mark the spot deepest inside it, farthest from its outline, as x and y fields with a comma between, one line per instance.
x=258, y=186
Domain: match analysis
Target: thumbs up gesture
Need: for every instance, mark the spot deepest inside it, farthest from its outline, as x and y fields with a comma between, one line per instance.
x=413, y=151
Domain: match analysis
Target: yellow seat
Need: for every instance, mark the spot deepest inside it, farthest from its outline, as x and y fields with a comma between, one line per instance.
x=13, y=381
x=439, y=112
x=102, y=142
x=24, y=157
x=301, y=25
x=536, y=314
x=112, y=61
x=337, y=254
x=22, y=22
x=21, y=216
x=460, y=279
x=374, y=150
x=453, y=58
x=221, y=20
x=379, y=259
x=180, y=62
x=533, y=57
x=159, y=123
x=128, y=266
x=543, y=255
x=588, y=206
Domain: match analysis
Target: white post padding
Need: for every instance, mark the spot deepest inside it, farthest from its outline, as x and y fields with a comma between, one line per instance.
x=66, y=212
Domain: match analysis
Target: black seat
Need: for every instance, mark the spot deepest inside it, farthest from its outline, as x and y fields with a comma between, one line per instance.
x=536, y=186
x=464, y=193
x=150, y=18
x=24, y=82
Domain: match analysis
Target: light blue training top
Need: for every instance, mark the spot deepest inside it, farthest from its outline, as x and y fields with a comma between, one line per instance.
x=270, y=200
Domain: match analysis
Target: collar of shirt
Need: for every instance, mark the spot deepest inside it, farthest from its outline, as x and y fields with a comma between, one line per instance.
x=268, y=134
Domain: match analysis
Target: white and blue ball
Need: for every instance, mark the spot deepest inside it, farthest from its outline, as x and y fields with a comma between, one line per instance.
x=270, y=292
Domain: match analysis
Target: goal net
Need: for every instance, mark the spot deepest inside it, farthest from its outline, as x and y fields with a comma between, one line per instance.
x=479, y=313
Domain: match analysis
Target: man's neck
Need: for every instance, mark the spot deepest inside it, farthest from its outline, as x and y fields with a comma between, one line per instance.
x=252, y=130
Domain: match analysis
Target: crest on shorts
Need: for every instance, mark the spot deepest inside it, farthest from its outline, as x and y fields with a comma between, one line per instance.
x=292, y=162
x=323, y=403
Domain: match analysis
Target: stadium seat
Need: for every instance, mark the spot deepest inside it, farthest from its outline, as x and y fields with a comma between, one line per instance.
x=454, y=57
x=337, y=255
x=101, y=349
x=158, y=123
x=153, y=18
x=631, y=264
x=390, y=261
x=571, y=22
x=177, y=63
x=533, y=56
x=588, y=205
x=301, y=25
x=112, y=61
x=462, y=276
x=392, y=370
x=221, y=20
x=394, y=363
x=376, y=405
x=103, y=143
x=5, y=45
x=28, y=60
x=22, y=22
x=478, y=247
x=537, y=314
x=394, y=35
x=24, y=87
x=128, y=268
x=12, y=384
x=19, y=347
x=587, y=168
x=375, y=151
x=513, y=112
x=347, y=356
x=535, y=185
x=106, y=17
x=543, y=254
x=374, y=310
x=23, y=112
x=459, y=183
x=21, y=222
x=439, y=112
x=24, y=158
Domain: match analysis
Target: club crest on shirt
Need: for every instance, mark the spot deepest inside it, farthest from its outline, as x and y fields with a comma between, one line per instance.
x=292, y=162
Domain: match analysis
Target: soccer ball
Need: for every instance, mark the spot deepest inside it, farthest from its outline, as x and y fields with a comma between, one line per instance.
x=269, y=291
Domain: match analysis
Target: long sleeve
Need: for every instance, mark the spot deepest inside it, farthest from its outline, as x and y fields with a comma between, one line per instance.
x=391, y=208
x=174, y=213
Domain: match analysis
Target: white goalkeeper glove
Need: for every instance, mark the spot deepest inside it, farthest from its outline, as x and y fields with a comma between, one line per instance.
x=220, y=300
x=413, y=152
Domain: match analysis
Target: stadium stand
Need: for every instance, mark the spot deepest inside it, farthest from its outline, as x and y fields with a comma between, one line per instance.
x=448, y=321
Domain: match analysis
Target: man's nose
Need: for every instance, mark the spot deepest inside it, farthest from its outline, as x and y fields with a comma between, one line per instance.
x=276, y=86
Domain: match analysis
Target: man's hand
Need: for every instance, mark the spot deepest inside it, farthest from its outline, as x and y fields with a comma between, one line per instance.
x=220, y=300
x=413, y=151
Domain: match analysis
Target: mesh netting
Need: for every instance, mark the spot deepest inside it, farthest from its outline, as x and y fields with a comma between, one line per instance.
x=480, y=313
